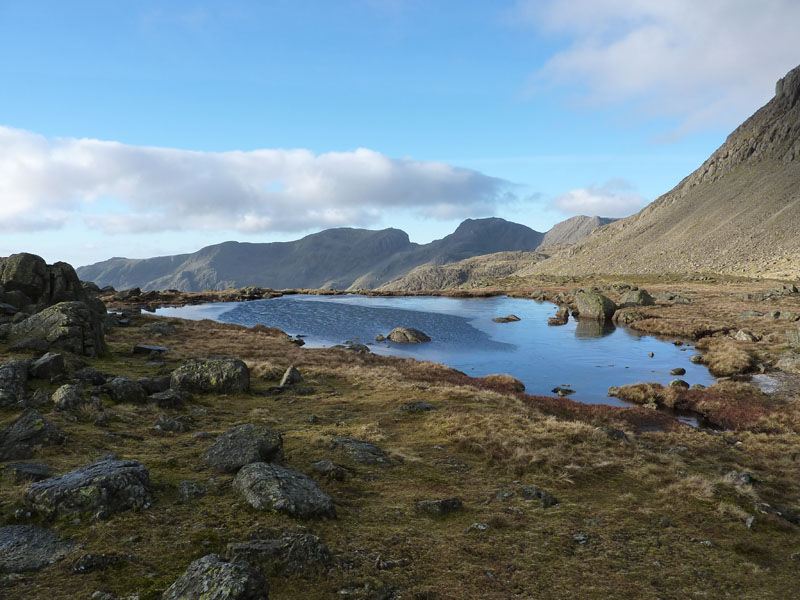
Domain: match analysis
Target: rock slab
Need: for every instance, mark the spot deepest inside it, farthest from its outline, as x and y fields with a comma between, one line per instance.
x=593, y=305
x=213, y=578
x=97, y=490
x=29, y=548
x=285, y=553
x=71, y=326
x=281, y=489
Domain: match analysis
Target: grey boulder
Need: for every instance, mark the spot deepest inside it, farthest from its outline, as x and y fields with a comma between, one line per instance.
x=68, y=397
x=593, y=305
x=126, y=390
x=49, y=365
x=98, y=490
x=222, y=375
x=361, y=451
x=242, y=445
x=30, y=430
x=29, y=548
x=284, y=490
x=282, y=553
x=408, y=335
x=213, y=578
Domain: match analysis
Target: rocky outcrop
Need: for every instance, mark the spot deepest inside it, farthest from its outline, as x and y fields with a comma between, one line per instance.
x=31, y=284
x=573, y=230
x=221, y=375
x=593, y=305
x=29, y=431
x=30, y=548
x=242, y=445
x=70, y=326
x=637, y=297
x=408, y=335
x=13, y=382
x=98, y=490
x=213, y=578
x=284, y=490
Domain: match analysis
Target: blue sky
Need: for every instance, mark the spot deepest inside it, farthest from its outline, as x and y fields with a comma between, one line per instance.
x=143, y=128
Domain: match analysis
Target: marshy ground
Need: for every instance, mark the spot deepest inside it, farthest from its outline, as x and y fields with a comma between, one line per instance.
x=664, y=511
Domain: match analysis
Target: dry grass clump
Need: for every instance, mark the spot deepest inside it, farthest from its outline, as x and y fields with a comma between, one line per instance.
x=691, y=487
x=504, y=383
x=726, y=357
x=266, y=370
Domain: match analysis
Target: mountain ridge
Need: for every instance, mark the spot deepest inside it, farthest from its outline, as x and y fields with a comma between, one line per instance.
x=341, y=258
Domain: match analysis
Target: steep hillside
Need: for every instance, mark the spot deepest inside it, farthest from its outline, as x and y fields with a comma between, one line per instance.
x=335, y=258
x=739, y=213
x=573, y=230
x=470, y=273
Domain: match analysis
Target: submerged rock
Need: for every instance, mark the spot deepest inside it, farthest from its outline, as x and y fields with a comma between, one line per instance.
x=507, y=319
x=281, y=489
x=29, y=548
x=97, y=490
x=213, y=578
x=222, y=375
x=408, y=335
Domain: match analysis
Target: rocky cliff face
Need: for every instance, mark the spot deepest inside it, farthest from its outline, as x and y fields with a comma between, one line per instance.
x=573, y=230
x=739, y=213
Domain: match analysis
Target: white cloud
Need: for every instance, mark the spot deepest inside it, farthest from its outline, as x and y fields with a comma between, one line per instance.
x=131, y=189
x=705, y=63
x=615, y=198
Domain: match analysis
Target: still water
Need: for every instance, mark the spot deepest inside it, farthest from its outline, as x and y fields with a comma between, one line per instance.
x=584, y=356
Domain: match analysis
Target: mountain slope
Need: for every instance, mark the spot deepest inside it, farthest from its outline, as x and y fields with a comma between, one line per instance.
x=573, y=230
x=739, y=213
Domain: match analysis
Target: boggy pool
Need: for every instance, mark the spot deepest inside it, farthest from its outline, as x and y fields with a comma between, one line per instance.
x=584, y=356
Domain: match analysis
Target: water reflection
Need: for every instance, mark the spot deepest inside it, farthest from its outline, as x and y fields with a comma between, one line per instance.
x=589, y=328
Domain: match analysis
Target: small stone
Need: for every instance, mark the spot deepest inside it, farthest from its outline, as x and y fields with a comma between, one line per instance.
x=581, y=538
x=476, y=527
x=613, y=434
x=678, y=371
x=330, y=469
x=546, y=499
x=440, y=508
x=242, y=445
x=290, y=377
x=189, y=490
x=679, y=383
x=417, y=407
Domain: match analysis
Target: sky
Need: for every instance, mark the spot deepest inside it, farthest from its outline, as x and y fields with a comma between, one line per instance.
x=144, y=128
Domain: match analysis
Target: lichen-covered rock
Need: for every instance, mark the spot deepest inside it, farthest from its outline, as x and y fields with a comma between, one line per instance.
x=126, y=390
x=242, y=445
x=179, y=424
x=68, y=397
x=213, y=578
x=362, y=451
x=638, y=297
x=29, y=548
x=41, y=283
x=530, y=492
x=408, y=335
x=13, y=382
x=593, y=305
x=223, y=375
x=282, y=553
x=281, y=489
x=47, y=366
x=71, y=326
x=98, y=490
x=28, y=431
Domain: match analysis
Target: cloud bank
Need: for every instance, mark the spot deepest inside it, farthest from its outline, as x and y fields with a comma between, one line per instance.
x=705, y=63
x=615, y=198
x=119, y=188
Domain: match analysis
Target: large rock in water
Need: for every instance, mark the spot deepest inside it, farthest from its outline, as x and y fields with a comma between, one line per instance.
x=13, y=378
x=71, y=326
x=213, y=578
x=593, y=305
x=281, y=489
x=29, y=548
x=97, y=490
x=242, y=445
x=408, y=335
x=28, y=431
x=221, y=375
